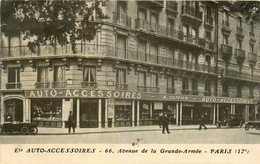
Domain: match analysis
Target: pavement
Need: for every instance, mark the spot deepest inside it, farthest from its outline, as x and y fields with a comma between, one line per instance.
x=50, y=131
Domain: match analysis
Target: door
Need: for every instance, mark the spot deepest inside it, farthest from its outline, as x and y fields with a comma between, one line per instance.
x=88, y=113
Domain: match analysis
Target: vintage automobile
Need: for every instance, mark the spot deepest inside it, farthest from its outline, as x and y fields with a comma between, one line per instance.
x=14, y=126
x=252, y=125
x=234, y=120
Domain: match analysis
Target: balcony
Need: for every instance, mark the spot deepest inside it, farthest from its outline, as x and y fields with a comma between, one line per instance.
x=85, y=84
x=241, y=75
x=60, y=84
x=240, y=55
x=208, y=21
x=121, y=86
x=42, y=85
x=121, y=19
x=226, y=51
x=172, y=7
x=207, y=93
x=191, y=14
x=252, y=58
x=185, y=91
x=225, y=27
x=170, y=90
x=147, y=89
x=13, y=85
x=194, y=92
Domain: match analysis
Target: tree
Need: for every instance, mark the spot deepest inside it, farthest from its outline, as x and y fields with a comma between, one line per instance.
x=52, y=21
x=251, y=9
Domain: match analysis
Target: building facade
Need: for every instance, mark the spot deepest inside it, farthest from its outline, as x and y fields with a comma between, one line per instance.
x=185, y=58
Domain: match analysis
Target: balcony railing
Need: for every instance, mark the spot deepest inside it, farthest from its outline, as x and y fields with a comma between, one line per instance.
x=154, y=89
x=170, y=90
x=172, y=6
x=142, y=88
x=194, y=92
x=240, y=54
x=239, y=30
x=226, y=50
x=241, y=75
x=185, y=91
x=89, y=84
x=191, y=12
x=121, y=86
x=42, y=84
x=208, y=20
x=252, y=57
x=121, y=19
x=13, y=85
x=60, y=84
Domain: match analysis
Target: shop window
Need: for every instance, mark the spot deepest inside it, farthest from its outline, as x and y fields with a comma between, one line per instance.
x=59, y=77
x=141, y=81
x=121, y=46
x=89, y=76
x=145, y=114
x=170, y=84
x=123, y=113
x=154, y=82
x=121, y=79
x=42, y=77
x=13, y=78
x=47, y=112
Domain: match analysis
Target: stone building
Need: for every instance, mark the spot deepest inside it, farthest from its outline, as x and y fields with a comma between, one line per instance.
x=184, y=58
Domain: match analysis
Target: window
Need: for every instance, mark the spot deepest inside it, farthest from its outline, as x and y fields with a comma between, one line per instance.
x=226, y=22
x=194, y=85
x=239, y=42
x=185, y=86
x=13, y=78
x=170, y=23
x=208, y=35
x=251, y=91
x=59, y=76
x=154, y=18
x=185, y=30
x=89, y=76
x=142, y=14
x=240, y=22
x=142, y=50
x=208, y=13
x=239, y=90
x=207, y=60
x=207, y=88
x=121, y=79
x=225, y=39
x=225, y=88
x=121, y=7
x=141, y=79
x=121, y=46
x=154, y=81
x=252, y=48
x=154, y=53
x=42, y=77
x=170, y=82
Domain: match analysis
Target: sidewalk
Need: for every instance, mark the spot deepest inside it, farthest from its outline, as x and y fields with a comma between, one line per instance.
x=60, y=131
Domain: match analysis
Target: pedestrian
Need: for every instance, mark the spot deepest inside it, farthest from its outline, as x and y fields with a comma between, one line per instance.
x=202, y=119
x=71, y=122
x=164, y=122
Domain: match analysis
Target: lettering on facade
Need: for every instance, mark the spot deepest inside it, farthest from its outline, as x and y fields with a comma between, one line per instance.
x=227, y=100
x=53, y=93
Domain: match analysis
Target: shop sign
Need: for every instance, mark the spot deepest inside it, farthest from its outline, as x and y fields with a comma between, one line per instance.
x=123, y=102
x=188, y=104
x=158, y=105
x=227, y=100
x=145, y=106
x=81, y=93
x=110, y=108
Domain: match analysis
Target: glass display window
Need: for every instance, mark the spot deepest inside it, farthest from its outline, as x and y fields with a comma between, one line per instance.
x=123, y=113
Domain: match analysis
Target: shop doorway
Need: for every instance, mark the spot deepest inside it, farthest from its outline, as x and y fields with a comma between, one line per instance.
x=13, y=110
x=88, y=113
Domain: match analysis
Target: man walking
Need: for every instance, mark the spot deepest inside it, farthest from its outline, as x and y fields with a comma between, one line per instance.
x=164, y=121
x=202, y=119
x=71, y=122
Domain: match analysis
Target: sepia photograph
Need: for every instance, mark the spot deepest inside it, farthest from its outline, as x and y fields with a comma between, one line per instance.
x=130, y=72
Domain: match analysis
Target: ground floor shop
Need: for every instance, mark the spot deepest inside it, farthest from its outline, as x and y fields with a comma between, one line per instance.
x=101, y=109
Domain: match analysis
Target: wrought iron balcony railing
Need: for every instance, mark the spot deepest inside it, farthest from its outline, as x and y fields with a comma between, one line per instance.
x=191, y=12
x=86, y=84
x=60, y=84
x=42, y=84
x=121, y=86
x=170, y=90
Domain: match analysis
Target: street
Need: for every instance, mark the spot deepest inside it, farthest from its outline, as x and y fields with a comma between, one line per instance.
x=210, y=136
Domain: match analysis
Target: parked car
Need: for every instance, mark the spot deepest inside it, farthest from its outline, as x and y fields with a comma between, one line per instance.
x=252, y=125
x=234, y=120
x=24, y=128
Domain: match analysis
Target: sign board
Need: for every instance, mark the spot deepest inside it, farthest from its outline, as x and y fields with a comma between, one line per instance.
x=158, y=105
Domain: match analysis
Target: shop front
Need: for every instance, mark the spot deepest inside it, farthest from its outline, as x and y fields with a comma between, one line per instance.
x=123, y=113
x=13, y=110
x=88, y=113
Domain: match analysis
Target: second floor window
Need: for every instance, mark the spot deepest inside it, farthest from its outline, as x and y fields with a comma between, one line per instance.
x=194, y=85
x=239, y=90
x=59, y=73
x=185, y=83
x=89, y=74
x=13, y=78
x=170, y=82
x=207, y=86
x=42, y=74
x=225, y=88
